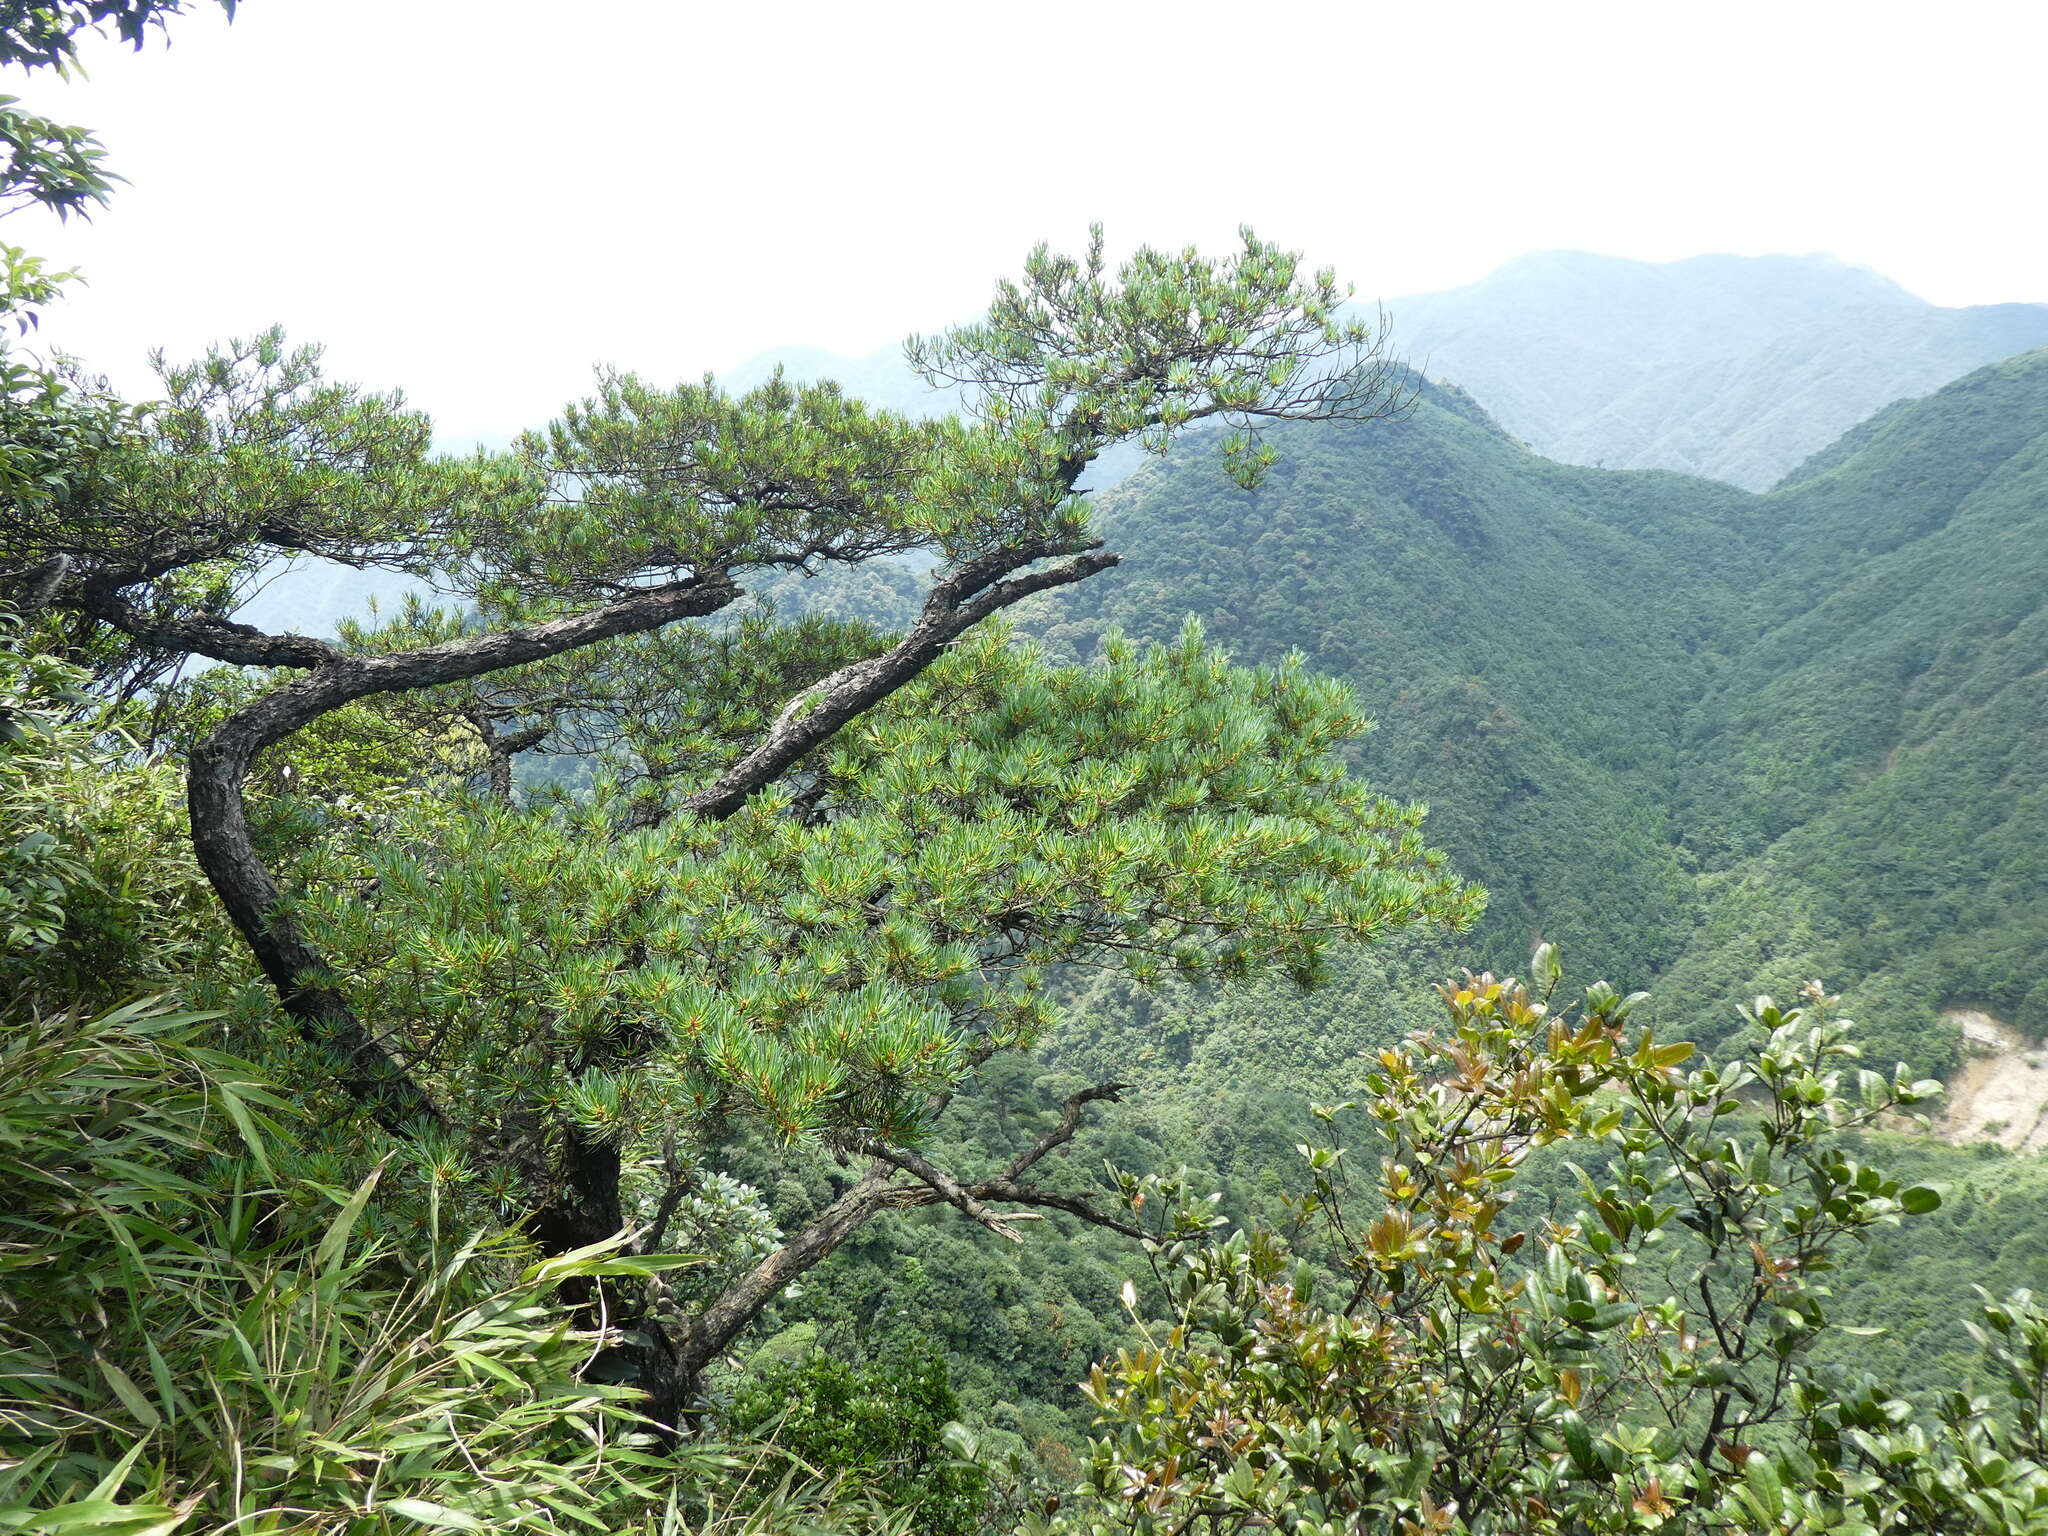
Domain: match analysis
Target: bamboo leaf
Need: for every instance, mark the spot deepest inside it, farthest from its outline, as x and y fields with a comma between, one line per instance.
x=328, y=1256
x=437, y=1516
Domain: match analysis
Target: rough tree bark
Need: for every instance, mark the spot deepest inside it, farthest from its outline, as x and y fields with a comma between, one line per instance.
x=500, y=747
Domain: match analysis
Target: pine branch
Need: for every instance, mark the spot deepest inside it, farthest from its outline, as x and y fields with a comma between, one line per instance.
x=1069, y=1123
x=954, y=606
x=949, y=1189
x=227, y=851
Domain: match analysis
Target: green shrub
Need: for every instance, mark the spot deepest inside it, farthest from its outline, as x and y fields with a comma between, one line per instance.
x=1409, y=1357
x=879, y=1424
x=99, y=893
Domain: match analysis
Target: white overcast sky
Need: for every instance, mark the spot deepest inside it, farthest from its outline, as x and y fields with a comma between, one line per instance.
x=478, y=199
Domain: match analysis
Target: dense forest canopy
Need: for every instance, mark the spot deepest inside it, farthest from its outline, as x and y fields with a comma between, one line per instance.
x=1684, y=731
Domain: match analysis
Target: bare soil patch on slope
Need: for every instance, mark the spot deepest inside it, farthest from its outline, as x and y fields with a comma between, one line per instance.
x=2001, y=1093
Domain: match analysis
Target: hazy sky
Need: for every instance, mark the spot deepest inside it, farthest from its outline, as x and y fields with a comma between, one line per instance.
x=478, y=199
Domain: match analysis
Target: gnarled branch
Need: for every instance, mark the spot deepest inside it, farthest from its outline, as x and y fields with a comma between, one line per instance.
x=1052, y=1200
x=949, y=1189
x=953, y=606
x=1069, y=1123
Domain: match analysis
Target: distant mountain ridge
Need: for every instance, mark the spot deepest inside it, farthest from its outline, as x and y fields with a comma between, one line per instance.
x=1734, y=368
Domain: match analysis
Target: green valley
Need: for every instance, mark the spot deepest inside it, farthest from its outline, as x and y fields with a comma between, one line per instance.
x=1683, y=731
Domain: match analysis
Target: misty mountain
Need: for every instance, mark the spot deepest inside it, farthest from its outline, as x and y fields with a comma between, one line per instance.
x=1734, y=368
x=880, y=377
x=1731, y=367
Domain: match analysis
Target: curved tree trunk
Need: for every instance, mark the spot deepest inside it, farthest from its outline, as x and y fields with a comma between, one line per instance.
x=700, y=1340
x=668, y=1353
x=227, y=852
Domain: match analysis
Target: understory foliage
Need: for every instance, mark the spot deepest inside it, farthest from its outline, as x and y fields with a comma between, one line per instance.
x=1421, y=1356
x=215, y=1315
x=189, y=1344
x=99, y=895
x=886, y=1424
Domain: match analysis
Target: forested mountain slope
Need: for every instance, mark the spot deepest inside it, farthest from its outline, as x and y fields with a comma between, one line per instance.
x=1745, y=417
x=1692, y=733
x=1868, y=783
x=1732, y=367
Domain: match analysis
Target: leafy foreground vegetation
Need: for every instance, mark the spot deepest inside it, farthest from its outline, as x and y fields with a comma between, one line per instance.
x=195, y=1339
x=1647, y=1364
x=190, y=1341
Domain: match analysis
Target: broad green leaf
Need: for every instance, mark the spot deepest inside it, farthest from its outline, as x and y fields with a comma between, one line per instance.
x=130, y=1394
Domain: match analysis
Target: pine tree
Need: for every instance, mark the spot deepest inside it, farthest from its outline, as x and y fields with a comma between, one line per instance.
x=830, y=867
